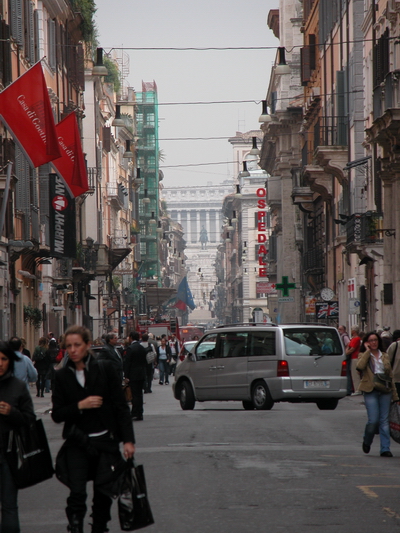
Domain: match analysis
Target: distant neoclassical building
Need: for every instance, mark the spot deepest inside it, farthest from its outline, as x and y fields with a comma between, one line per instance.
x=199, y=211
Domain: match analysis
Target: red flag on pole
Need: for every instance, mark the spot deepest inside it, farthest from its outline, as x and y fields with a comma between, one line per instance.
x=26, y=111
x=71, y=165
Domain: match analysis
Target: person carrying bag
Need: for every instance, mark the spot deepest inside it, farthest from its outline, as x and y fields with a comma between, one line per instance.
x=379, y=391
x=16, y=412
x=88, y=398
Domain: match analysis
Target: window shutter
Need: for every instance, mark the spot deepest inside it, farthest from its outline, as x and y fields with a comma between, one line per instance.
x=51, y=26
x=305, y=65
x=32, y=36
x=16, y=20
x=44, y=193
x=36, y=35
x=313, y=50
x=341, y=120
x=106, y=139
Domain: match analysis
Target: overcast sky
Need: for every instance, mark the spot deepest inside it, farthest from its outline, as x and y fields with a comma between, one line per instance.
x=195, y=76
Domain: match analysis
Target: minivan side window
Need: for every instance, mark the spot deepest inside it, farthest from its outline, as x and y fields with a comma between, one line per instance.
x=206, y=348
x=262, y=343
x=232, y=344
x=317, y=341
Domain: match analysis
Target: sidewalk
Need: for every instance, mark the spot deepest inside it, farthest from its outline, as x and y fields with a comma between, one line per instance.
x=41, y=405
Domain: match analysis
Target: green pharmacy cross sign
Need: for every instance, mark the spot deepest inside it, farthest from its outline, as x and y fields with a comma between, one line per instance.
x=285, y=286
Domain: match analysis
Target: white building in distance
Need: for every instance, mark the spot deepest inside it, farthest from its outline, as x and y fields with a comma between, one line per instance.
x=199, y=211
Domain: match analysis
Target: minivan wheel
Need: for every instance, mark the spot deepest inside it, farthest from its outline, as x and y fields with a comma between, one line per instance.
x=261, y=397
x=248, y=405
x=186, y=396
x=327, y=404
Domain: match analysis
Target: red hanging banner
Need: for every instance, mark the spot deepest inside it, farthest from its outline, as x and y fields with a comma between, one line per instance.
x=25, y=109
x=71, y=165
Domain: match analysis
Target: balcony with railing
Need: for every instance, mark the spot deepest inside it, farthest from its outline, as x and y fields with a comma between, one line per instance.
x=119, y=248
x=118, y=195
x=365, y=229
x=331, y=145
x=386, y=105
x=331, y=131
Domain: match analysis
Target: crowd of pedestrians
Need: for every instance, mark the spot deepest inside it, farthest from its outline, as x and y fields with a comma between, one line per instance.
x=88, y=397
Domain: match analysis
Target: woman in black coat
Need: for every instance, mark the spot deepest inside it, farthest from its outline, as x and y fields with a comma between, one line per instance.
x=88, y=398
x=42, y=361
x=16, y=409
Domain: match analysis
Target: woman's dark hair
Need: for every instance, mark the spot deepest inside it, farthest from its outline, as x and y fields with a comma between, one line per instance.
x=6, y=349
x=79, y=330
x=367, y=336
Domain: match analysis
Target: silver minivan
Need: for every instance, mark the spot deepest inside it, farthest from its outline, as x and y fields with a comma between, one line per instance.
x=261, y=365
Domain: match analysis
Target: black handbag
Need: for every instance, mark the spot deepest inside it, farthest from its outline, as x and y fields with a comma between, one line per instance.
x=28, y=455
x=134, y=510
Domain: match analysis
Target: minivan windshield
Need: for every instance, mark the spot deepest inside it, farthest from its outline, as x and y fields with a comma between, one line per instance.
x=318, y=341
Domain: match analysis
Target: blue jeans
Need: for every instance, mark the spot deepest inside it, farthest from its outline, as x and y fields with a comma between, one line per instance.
x=163, y=367
x=378, y=406
x=9, y=499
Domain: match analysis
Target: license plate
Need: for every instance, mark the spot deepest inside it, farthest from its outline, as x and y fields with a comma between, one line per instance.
x=316, y=384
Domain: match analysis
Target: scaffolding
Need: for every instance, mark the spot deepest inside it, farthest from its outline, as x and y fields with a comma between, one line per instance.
x=147, y=161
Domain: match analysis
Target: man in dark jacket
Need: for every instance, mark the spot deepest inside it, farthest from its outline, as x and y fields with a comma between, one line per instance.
x=135, y=372
x=110, y=353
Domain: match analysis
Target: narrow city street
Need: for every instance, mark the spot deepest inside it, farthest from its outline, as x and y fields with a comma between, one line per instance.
x=222, y=469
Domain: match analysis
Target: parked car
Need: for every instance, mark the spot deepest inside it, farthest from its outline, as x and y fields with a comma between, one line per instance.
x=261, y=365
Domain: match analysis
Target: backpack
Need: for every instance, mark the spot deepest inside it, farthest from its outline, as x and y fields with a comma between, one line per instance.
x=150, y=354
x=38, y=355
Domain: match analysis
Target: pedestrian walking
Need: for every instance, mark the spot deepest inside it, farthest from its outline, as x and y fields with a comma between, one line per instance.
x=42, y=361
x=371, y=363
x=175, y=348
x=344, y=335
x=51, y=354
x=16, y=410
x=109, y=352
x=386, y=337
x=88, y=398
x=23, y=367
x=163, y=360
x=135, y=373
x=151, y=356
x=24, y=349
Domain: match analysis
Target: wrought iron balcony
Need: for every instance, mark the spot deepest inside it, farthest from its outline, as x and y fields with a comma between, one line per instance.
x=366, y=228
x=331, y=131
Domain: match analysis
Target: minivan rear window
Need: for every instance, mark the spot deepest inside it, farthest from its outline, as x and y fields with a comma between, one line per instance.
x=318, y=341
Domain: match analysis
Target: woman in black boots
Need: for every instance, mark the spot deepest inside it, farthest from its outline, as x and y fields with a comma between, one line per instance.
x=88, y=398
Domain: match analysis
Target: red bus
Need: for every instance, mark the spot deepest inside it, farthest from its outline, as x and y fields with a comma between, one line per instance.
x=186, y=333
